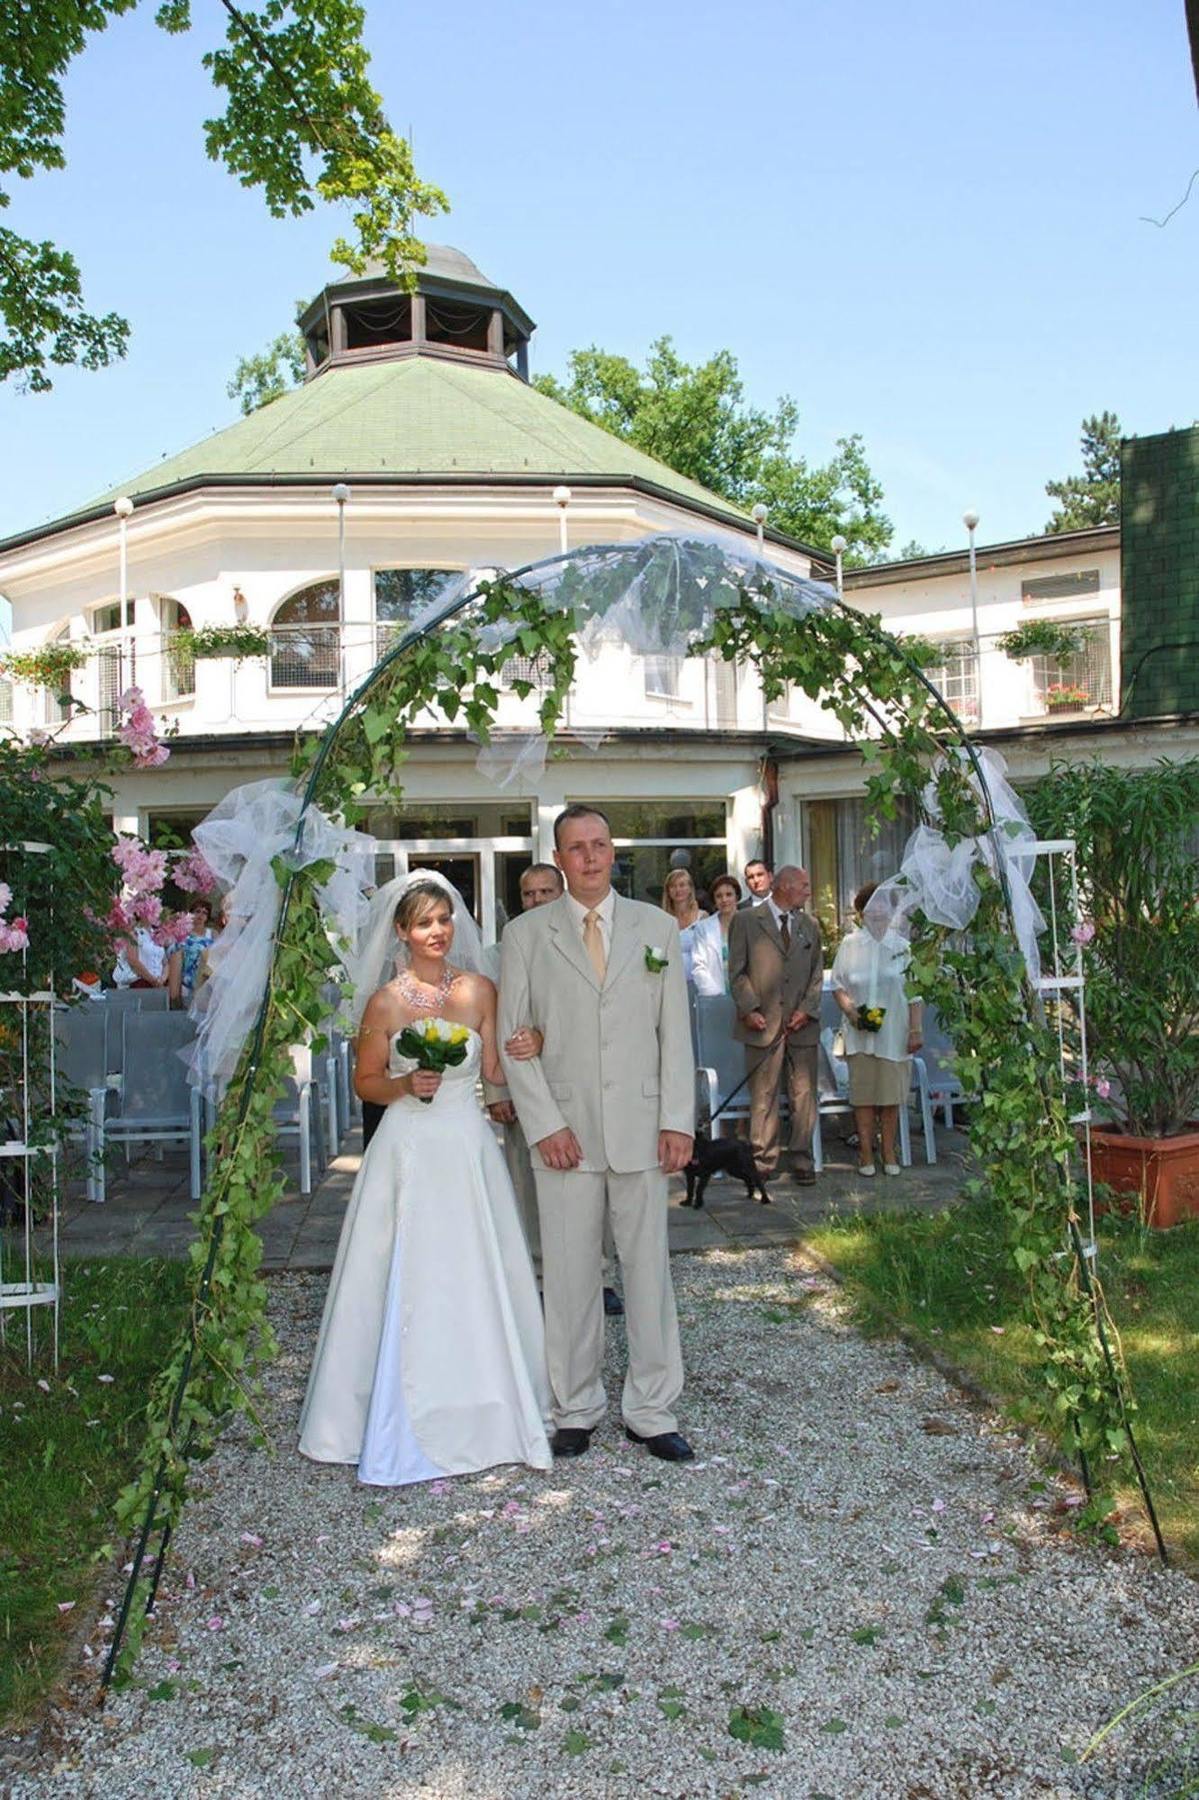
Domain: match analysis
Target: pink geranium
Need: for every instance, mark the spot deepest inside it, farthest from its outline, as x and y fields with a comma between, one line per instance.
x=1083, y=932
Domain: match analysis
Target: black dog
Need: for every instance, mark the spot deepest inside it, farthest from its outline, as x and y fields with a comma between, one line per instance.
x=729, y=1156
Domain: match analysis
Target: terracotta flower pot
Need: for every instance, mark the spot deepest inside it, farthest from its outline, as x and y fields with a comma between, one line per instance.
x=1163, y=1173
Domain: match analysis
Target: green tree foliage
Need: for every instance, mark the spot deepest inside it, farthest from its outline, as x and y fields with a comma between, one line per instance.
x=1092, y=498
x=257, y=380
x=695, y=418
x=301, y=122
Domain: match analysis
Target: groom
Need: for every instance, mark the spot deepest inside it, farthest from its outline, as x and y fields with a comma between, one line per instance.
x=609, y=1108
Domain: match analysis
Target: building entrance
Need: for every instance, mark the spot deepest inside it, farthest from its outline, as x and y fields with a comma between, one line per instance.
x=486, y=872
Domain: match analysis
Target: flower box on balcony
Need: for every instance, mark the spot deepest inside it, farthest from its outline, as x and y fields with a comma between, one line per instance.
x=235, y=643
x=1064, y=698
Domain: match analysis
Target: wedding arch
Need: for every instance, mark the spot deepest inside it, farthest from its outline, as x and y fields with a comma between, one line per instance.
x=294, y=845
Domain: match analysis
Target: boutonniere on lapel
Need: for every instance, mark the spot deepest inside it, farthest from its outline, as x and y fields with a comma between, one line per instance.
x=655, y=959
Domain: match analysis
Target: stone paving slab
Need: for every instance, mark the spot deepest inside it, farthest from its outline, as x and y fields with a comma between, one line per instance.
x=149, y=1213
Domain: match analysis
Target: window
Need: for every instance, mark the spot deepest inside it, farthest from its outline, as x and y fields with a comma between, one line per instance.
x=178, y=663
x=1075, y=683
x=306, y=638
x=401, y=595
x=525, y=668
x=1060, y=587
x=844, y=853
x=5, y=702
x=662, y=677
x=956, y=676
x=108, y=618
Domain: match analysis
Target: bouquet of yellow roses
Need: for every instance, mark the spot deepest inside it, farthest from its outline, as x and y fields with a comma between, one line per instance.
x=434, y=1045
x=870, y=1018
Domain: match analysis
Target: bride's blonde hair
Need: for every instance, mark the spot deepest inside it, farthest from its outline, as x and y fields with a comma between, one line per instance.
x=417, y=901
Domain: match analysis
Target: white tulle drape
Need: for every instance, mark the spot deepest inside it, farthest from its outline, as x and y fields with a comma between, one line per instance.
x=937, y=878
x=240, y=840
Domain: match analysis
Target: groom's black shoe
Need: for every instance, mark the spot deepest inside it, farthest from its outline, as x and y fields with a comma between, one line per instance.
x=671, y=1446
x=570, y=1440
x=613, y=1304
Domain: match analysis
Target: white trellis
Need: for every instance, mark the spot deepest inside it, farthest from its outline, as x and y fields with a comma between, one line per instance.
x=29, y=1141
x=1066, y=985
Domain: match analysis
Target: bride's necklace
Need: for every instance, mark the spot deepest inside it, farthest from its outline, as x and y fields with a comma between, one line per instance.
x=420, y=996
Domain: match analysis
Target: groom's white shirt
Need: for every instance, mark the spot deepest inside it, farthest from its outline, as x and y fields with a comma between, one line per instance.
x=616, y=1063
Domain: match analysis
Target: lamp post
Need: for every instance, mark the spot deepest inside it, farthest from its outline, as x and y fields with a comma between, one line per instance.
x=123, y=507
x=839, y=546
x=759, y=514
x=970, y=521
x=341, y=493
x=562, y=498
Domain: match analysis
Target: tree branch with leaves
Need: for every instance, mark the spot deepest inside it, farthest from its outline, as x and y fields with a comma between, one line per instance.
x=301, y=122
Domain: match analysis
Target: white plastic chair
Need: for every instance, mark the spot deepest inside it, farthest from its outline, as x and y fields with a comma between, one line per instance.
x=298, y=1114
x=155, y=1103
x=82, y=1034
x=943, y=1086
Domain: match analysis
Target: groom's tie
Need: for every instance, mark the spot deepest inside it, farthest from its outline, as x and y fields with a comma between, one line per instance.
x=593, y=943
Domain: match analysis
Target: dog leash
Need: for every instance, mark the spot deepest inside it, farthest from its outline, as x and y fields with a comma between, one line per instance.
x=782, y=1032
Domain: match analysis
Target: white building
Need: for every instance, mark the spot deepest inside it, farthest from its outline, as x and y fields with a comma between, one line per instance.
x=419, y=405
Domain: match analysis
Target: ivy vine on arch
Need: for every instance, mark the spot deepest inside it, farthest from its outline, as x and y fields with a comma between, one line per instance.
x=693, y=596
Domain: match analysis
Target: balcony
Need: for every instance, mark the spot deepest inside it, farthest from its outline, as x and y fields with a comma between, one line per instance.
x=303, y=681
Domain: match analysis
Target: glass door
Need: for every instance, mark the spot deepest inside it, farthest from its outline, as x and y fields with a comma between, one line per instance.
x=486, y=872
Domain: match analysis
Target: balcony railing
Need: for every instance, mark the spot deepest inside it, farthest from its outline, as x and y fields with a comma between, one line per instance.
x=309, y=666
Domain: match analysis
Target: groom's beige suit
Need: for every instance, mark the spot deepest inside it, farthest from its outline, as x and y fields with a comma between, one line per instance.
x=616, y=1067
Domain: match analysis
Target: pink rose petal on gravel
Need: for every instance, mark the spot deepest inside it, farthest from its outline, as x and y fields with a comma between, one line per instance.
x=938, y=1506
x=669, y=1624
x=251, y=1538
x=216, y=1623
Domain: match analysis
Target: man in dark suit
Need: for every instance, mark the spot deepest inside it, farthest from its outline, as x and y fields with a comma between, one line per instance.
x=776, y=971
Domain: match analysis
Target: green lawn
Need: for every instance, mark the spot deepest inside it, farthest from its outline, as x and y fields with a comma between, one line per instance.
x=66, y=1453
x=945, y=1279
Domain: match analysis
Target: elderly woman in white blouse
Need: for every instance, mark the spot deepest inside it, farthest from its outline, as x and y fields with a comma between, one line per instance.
x=709, y=952
x=882, y=1025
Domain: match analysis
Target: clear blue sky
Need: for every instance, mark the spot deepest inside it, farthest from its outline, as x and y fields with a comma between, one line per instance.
x=923, y=222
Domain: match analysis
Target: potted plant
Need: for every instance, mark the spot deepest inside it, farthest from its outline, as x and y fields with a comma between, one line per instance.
x=234, y=642
x=49, y=666
x=1139, y=928
x=1041, y=637
x=1066, y=696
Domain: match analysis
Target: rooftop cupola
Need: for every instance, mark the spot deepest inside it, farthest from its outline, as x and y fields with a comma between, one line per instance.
x=453, y=312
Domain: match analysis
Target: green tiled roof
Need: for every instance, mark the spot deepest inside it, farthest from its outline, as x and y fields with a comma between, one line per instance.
x=414, y=416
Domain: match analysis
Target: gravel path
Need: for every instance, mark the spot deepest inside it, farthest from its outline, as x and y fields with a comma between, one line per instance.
x=858, y=1569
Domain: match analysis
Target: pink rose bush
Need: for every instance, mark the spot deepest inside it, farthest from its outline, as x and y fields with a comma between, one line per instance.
x=138, y=732
x=14, y=933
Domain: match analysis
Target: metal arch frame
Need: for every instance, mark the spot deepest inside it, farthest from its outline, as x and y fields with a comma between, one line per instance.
x=418, y=634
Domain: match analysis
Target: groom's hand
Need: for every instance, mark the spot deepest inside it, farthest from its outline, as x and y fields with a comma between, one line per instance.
x=674, y=1151
x=561, y=1150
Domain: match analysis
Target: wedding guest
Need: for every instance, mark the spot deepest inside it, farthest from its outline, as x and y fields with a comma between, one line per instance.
x=202, y=971
x=680, y=901
x=870, y=976
x=759, y=879
x=141, y=963
x=776, y=974
x=184, y=960
x=710, y=942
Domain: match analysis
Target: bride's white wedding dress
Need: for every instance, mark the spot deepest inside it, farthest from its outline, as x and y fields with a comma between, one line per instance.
x=431, y=1355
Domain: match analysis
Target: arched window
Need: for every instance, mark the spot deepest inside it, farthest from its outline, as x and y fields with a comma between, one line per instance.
x=401, y=595
x=178, y=663
x=306, y=638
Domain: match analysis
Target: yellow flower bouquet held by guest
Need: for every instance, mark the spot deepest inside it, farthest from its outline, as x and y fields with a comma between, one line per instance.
x=870, y=1018
x=434, y=1045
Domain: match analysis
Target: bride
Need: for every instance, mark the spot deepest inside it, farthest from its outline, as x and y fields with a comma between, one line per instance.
x=431, y=1356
